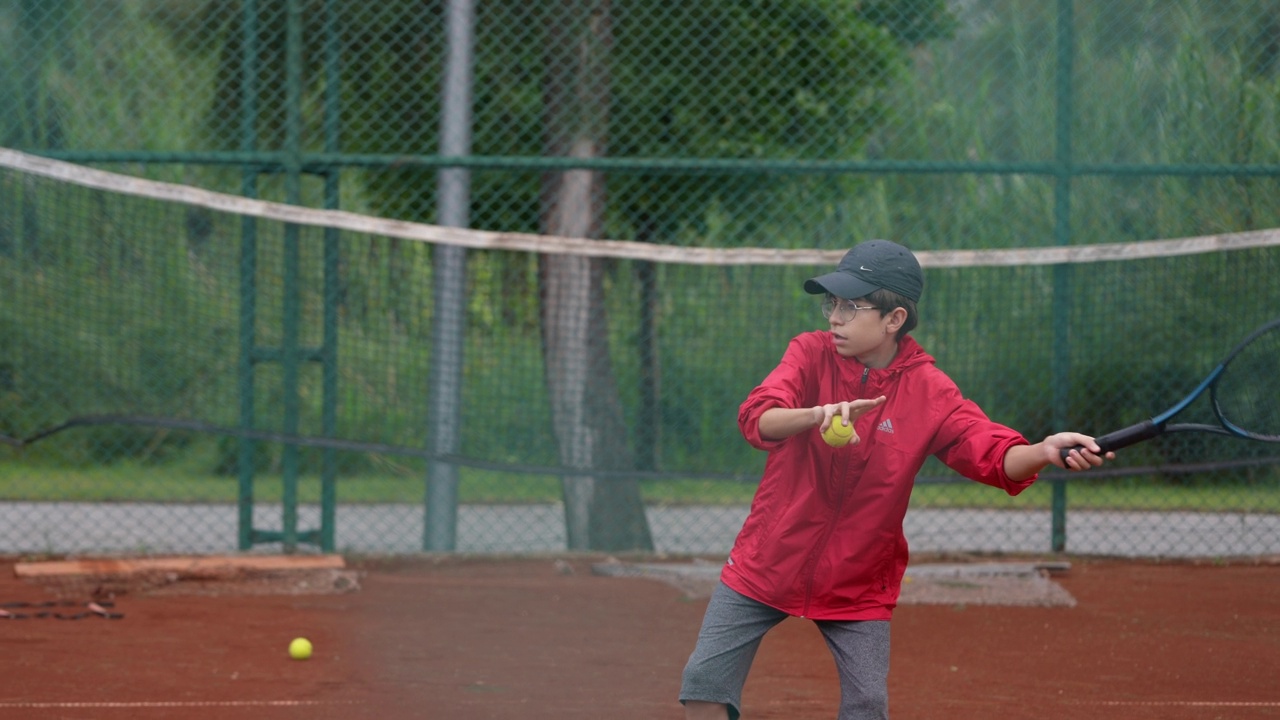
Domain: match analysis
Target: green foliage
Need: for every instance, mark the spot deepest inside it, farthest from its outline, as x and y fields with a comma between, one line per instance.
x=742, y=79
x=911, y=22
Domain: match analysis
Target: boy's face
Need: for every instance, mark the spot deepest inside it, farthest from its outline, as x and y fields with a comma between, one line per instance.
x=860, y=331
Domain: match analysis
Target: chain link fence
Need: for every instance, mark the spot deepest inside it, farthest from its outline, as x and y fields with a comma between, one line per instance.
x=188, y=367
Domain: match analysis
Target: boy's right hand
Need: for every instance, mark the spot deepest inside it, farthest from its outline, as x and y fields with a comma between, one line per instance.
x=850, y=410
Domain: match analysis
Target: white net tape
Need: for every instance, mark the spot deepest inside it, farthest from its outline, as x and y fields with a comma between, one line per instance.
x=624, y=249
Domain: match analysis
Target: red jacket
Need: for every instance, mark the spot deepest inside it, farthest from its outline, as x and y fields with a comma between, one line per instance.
x=824, y=536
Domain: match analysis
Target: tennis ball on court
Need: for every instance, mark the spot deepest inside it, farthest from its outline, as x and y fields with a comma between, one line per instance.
x=838, y=434
x=300, y=649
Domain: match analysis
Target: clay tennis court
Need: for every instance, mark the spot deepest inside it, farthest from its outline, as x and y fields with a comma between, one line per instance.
x=548, y=638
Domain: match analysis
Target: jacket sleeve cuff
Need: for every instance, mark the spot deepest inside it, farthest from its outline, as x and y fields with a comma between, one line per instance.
x=980, y=457
x=749, y=420
x=1013, y=487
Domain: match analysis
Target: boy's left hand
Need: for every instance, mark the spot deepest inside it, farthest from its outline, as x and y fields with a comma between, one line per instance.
x=1084, y=452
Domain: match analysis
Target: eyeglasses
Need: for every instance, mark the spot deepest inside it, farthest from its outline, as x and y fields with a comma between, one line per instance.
x=842, y=310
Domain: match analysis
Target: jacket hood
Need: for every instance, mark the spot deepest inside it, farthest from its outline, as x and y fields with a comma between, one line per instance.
x=910, y=354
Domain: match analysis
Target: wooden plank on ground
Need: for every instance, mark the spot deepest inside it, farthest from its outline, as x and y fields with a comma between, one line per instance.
x=189, y=566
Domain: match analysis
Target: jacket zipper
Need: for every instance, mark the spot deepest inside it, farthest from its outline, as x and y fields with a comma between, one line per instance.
x=835, y=515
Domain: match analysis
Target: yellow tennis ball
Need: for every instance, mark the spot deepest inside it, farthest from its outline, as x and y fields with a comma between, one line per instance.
x=300, y=649
x=837, y=433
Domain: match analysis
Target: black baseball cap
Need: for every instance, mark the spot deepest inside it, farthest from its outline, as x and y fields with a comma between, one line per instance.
x=868, y=267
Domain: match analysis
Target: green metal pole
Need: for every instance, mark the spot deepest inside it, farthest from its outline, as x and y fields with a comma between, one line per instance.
x=248, y=270
x=1061, y=366
x=290, y=302
x=329, y=350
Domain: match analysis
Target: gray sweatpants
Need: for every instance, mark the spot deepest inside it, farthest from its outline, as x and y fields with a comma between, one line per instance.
x=731, y=633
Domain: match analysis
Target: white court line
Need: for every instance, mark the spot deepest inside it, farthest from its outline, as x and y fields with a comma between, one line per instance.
x=170, y=704
x=1181, y=703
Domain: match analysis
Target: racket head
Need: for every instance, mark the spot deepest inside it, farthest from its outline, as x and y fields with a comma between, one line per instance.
x=1246, y=393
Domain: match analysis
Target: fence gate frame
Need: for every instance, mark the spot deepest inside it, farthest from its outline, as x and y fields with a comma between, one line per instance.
x=289, y=354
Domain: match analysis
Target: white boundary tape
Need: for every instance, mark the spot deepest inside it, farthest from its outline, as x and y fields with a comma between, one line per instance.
x=624, y=249
x=1182, y=703
x=142, y=705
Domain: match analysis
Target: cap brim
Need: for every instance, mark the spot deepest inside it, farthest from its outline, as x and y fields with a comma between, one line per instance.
x=840, y=284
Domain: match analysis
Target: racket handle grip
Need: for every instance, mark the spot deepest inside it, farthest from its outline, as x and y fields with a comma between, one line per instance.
x=1122, y=438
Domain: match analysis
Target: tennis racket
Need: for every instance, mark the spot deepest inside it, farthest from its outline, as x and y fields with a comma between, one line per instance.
x=1244, y=389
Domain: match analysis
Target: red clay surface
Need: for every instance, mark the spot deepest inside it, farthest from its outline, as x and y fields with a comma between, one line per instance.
x=463, y=639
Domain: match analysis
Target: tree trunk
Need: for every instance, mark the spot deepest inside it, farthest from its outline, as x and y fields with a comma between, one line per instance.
x=649, y=415
x=600, y=513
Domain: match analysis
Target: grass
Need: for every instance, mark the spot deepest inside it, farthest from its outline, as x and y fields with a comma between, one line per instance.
x=135, y=482
x=1139, y=493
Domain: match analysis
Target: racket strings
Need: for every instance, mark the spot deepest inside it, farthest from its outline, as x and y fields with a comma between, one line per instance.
x=1247, y=395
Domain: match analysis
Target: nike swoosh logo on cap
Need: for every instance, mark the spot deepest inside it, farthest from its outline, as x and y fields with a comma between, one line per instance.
x=864, y=267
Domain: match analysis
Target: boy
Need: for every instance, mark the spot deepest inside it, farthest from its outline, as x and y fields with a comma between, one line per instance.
x=824, y=536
